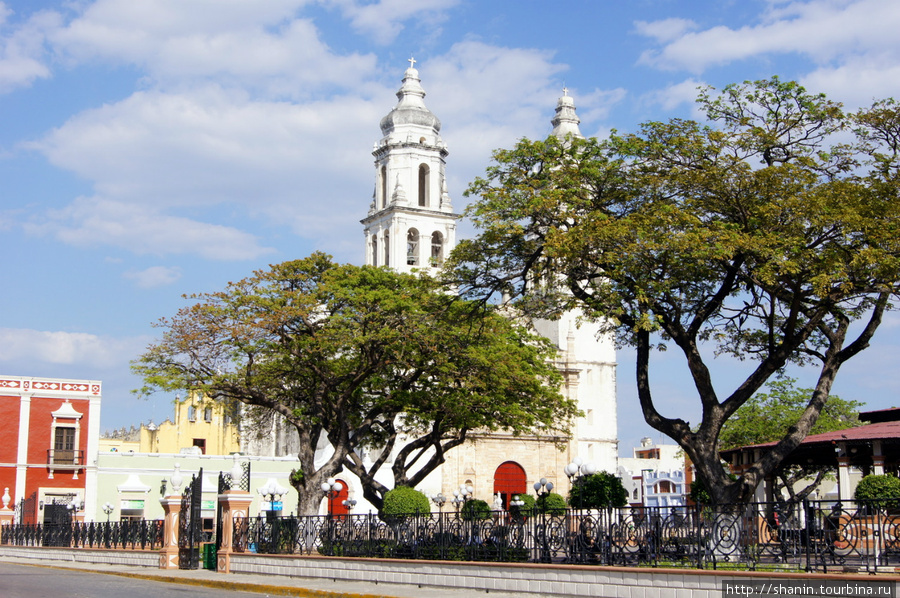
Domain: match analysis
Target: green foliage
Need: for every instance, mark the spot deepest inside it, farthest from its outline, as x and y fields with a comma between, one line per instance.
x=598, y=491
x=527, y=507
x=883, y=490
x=404, y=500
x=551, y=503
x=344, y=353
x=766, y=417
x=476, y=509
x=756, y=235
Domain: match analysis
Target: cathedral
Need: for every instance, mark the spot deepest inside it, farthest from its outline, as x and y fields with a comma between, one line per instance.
x=411, y=225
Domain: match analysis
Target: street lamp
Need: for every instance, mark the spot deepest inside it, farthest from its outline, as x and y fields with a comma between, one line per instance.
x=575, y=471
x=272, y=492
x=461, y=496
x=331, y=487
x=108, y=509
x=349, y=503
x=439, y=499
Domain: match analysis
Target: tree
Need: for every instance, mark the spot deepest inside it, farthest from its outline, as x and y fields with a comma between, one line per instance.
x=756, y=236
x=356, y=359
x=598, y=491
x=766, y=417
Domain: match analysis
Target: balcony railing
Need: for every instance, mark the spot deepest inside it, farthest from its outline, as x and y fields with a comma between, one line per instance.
x=65, y=459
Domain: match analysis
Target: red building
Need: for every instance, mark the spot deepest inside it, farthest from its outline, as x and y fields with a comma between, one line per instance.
x=48, y=445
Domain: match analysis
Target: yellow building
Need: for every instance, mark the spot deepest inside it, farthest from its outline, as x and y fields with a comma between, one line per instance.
x=200, y=427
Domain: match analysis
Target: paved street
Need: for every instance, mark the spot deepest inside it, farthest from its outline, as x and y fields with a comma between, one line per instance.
x=20, y=578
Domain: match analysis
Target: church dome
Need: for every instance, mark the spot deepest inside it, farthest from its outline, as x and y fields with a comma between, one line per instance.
x=410, y=110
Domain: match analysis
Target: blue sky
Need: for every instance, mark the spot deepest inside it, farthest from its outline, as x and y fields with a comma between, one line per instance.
x=153, y=148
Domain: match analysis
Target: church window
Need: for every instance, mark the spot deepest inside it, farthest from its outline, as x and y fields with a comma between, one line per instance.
x=437, y=249
x=423, y=185
x=192, y=413
x=384, y=187
x=374, y=250
x=387, y=248
x=412, y=247
x=207, y=414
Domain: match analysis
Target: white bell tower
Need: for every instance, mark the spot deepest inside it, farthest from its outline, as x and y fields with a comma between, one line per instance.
x=411, y=224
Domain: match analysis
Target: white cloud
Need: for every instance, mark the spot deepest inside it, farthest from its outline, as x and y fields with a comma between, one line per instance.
x=821, y=30
x=19, y=345
x=676, y=95
x=22, y=50
x=155, y=276
x=664, y=30
x=383, y=20
x=95, y=221
x=262, y=47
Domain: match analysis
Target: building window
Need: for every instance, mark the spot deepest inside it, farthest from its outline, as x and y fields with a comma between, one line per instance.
x=192, y=413
x=423, y=185
x=64, y=446
x=200, y=443
x=207, y=414
x=387, y=248
x=374, y=250
x=412, y=247
x=437, y=249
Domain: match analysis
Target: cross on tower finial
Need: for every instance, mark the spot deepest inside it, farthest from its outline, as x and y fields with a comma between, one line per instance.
x=565, y=91
x=412, y=62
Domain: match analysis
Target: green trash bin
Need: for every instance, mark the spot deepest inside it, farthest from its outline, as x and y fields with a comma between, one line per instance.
x=208, y=555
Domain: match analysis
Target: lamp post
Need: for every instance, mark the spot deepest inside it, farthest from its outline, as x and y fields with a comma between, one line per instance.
x=331, y=487
x=272, y=492
x=349, y=503
x=576, y=470
x=461, y=497
x=439, y=499
x=108, y=509
x=543, y=488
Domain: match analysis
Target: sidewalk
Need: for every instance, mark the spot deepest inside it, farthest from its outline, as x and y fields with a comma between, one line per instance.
x=279, y=586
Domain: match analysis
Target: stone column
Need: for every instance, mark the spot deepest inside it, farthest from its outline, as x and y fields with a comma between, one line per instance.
x=844, y=477
x=168, y=554
x=234, y=503
x=877, y=458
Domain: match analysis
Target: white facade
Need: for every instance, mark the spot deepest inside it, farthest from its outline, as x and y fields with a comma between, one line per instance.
x=654, y=476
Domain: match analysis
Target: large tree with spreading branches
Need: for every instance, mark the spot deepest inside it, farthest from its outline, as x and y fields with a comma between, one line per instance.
x=360, y=361
x=770, y=233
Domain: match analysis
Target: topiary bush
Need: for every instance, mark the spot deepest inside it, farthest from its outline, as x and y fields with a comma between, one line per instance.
x=882, y=490
x=598, y=491
x=551, y=503
x=476, y=509
x=404, y=500
x=526, y=509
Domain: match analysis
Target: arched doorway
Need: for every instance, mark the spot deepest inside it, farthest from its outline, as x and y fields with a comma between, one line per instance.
x=335, y=502
x=509, y=480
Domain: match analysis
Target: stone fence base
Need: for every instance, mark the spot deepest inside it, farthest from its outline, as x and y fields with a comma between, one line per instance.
x=134, y=558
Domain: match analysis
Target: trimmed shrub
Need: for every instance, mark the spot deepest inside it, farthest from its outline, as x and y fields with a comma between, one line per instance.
x=551, y=503
x=476, y=509
x=404, y=500
x=598, y=491
x=526, y=509
x=883, y=490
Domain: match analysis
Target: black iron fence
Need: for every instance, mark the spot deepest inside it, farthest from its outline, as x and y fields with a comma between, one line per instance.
x=810, y=536
x=146, y=534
